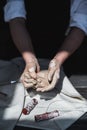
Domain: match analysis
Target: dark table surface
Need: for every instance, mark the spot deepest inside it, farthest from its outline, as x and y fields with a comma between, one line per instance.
x=80, y=83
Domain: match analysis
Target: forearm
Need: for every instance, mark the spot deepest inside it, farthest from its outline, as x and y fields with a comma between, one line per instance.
x=70, y=44
x=21, y=38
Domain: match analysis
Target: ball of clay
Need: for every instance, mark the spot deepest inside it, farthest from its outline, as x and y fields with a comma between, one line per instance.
x=42, y=79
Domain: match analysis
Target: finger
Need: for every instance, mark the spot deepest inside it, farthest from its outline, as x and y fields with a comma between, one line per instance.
x=27, y=85
x=52, y=85
x=39, y=80
x=51, y=73
x=38, y=68
x=47, y=88
x=52, y=68
x=21, y=77
x=32, y=72
x=33, y=81
x=39, y=86
x=36, y=86
x=58, y=73
x=30, y=81
x=52, y=63
x=39, y=90
x=26, y=75
x=55, y=78
x=33, y=75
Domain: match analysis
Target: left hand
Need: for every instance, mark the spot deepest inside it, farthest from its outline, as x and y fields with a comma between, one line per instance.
x=54, y=67
x=53, y=75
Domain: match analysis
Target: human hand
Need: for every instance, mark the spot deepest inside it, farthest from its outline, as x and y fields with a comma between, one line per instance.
x=52, y=77
x=42, y=81
x=54, y=66
x=28, y=77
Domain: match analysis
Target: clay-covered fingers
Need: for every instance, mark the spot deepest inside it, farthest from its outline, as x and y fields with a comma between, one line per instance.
x=33, y=81
x=27, y=85
x=28, y=77
x=31, y=68
x=51, y=85
x=53, y=66
x=42, y=79
x=29, y=82
x=51, y=69
x=29, y=71
x=41, y=83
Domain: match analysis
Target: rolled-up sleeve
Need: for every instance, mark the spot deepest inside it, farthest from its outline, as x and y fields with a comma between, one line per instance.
x=78, y=14
x=13, y=9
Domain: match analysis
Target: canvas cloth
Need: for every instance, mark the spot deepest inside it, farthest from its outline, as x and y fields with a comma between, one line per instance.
x=64, y=98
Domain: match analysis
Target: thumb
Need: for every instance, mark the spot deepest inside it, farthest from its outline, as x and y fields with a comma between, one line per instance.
x=55, y=78
x=53, y=83
x=32, y=72
x=51, y=73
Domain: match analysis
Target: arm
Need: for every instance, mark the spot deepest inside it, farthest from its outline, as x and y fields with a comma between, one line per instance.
x=78, y=30
x=70, y=44
x=78, y=27
x=23, y=42
x=15, y=15
x=22, y=38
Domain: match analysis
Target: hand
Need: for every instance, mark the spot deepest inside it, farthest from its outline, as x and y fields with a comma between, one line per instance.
x=54, y=66
x=53, y=76
x=42, y=80
x=28, y=77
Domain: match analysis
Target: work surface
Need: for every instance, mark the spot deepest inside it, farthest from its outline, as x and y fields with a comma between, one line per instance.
x=80, y=83
x=68, y=100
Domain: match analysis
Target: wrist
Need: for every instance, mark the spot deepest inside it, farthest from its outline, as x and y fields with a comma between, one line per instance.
x=29, y=57
x=58, y=61
x=61, y=57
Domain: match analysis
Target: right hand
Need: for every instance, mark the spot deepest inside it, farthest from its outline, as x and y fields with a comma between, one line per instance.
x=52, y=77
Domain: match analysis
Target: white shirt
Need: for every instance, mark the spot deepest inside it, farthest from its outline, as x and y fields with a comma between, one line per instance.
x=78, y=12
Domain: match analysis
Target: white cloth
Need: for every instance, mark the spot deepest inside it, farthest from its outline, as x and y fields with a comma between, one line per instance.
x=13, y=9
x=70, y=104
x=12, y=104
x=64, y=98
